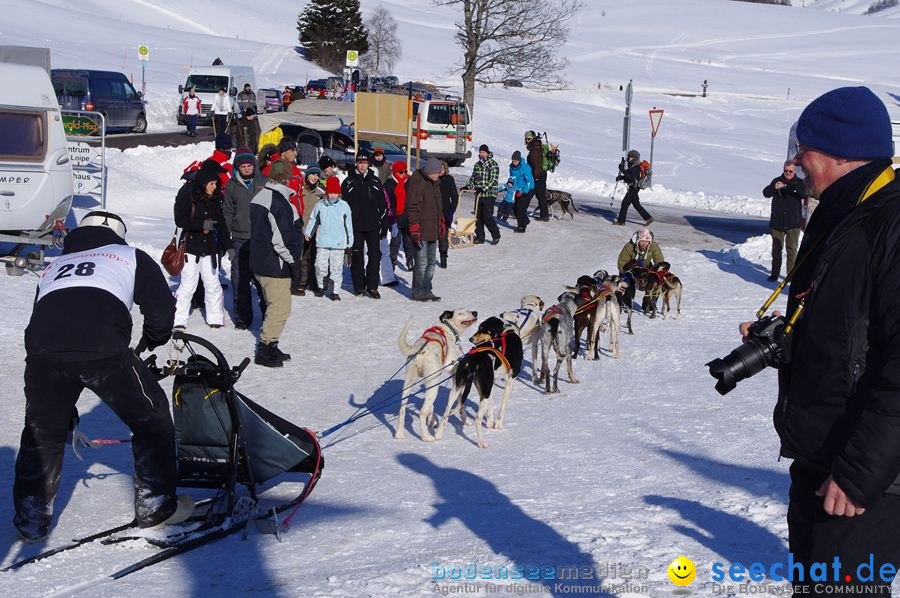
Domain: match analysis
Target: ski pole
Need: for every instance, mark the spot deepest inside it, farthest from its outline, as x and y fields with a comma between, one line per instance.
x=613, y=195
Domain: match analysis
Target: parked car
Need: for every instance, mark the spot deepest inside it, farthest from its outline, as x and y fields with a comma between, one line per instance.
x=272, y=99
x=107, y=92
x=512, y=83
x=338, y=145
x=388, y=80
x=314, y=86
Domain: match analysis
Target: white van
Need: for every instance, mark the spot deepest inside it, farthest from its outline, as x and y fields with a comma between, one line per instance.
x=446, y=130
x=208, y=80
x=36, y=183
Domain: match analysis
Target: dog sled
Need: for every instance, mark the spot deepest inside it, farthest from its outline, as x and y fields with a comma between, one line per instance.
x=462, y=233
x=237, y=451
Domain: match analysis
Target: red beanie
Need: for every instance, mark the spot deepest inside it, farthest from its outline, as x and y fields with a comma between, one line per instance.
x=333, y=185
x=398, y=166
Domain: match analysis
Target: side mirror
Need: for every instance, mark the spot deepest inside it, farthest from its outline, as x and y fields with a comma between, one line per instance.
x=139, y=94
x=232, y=92
x=181, y=89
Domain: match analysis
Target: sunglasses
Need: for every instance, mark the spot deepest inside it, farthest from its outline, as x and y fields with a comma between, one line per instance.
x=401, y=172
x=789, y=172
x=799, y=150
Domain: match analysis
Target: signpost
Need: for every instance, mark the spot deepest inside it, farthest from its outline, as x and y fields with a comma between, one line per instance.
x=80, y=125
x=352, y=58
x=83, y=131
x=655, y=119
x=144, y=57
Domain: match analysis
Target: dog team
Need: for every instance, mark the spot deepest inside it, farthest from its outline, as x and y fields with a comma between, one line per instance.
x=594, y=305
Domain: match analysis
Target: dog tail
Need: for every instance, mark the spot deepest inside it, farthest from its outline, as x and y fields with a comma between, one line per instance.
x=405, y=347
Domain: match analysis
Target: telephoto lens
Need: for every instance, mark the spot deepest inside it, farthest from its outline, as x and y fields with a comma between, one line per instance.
x=764, y=347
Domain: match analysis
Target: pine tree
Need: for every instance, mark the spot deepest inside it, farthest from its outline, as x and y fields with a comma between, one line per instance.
x=328, y=28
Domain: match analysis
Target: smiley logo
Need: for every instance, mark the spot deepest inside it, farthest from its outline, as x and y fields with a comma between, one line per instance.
x=682, y=571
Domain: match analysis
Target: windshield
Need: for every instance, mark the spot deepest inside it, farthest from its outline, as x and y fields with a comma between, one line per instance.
x=21, y=135
x=447, y=114
x=389, y=148
x=70, y=86
x=206, y=83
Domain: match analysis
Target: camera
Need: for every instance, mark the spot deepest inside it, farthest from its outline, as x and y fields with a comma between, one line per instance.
x=765, y=346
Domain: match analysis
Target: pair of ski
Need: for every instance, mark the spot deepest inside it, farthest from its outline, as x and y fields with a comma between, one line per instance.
x=173, y=545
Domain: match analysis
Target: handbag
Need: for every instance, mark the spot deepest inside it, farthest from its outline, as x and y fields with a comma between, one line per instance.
x=173, y=255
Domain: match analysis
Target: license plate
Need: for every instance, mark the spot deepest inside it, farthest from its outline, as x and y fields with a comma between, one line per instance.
x=439, y=137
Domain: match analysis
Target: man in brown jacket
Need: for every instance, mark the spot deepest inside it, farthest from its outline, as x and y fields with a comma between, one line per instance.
x=424, y=209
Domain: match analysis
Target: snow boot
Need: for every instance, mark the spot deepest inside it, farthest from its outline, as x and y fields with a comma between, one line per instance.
x=329, y=290
x=281, y=354
x=184, y=508
x=266, y=356
x=32, y=531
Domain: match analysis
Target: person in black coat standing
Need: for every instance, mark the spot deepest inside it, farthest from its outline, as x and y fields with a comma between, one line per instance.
x=787, y=192
x=450, y=200
x=838, y=408
x=199, y=214
x=630, y=173
x=78, y=338
x=368, y=206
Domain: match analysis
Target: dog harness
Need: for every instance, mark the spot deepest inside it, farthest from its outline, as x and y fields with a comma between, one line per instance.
x=498, y=353
x=528, y=313
x=552, y=312
x=603, y=294
x=436, y=334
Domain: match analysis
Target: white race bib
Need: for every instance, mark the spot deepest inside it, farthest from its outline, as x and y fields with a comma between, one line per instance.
x=110, y=268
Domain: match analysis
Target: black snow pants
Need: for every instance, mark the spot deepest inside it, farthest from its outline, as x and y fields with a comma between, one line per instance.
x=126, y=385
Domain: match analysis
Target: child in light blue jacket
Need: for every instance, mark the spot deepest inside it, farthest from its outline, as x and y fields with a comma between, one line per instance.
x=332, y=226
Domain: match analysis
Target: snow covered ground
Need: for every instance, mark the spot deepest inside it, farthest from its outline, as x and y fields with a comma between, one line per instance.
x=638, y=464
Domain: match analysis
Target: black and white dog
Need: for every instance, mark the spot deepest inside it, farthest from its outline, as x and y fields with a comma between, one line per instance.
x=497, y=347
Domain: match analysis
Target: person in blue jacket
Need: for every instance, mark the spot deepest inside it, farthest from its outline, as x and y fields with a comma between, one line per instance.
x=520, y=172
x=331, y=223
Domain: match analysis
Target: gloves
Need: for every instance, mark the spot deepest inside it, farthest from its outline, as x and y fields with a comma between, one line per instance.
x=518, y=194
x=232, y=254
x=208, y=225
x=465, y=188
x=295, y=271
x=620, y=178
x=415, y=234
x=443, y=228
x=622, y=165
x=348, y=254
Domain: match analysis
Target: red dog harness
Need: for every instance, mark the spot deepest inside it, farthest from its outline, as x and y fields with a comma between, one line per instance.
x=498, y=353
x=436, y=334
x=552, y=312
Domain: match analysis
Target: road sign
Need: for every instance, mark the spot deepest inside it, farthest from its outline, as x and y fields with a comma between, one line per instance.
x=87, y=183
x=81, y=153
x=80, y=125
x=143, y=53
x=655, y=119
x=352, y=58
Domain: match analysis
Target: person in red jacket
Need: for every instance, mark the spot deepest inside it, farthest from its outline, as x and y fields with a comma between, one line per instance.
x=395, y=186
x=191, y=108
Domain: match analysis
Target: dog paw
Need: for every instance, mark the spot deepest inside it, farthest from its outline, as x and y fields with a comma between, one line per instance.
x=428, y=438
x=468, y=422
x=399, y=436
x=498, y=425
x=483, y=445
x=574, y=381
x=438, y=437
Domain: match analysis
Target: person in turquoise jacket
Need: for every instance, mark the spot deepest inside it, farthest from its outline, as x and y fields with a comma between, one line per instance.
x=520, y=172
x=332, y=226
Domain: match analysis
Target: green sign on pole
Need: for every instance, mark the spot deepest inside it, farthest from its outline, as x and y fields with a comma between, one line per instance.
x=79, y=125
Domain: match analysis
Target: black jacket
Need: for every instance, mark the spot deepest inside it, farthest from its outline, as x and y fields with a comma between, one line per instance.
x=215, y=242
x=450, y=197
x=631, y=175
x=83, y=322
x=368, y=202
x=787, y=203
x=839, y=397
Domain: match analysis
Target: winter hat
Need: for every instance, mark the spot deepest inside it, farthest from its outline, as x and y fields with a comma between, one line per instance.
x=635, y=153
x=333, y=185
x=517, y=156
x=107, y=219
x=280, y=171
x=249, y=112
x=223, y=141
x=326, y=162
x=847, y=122
x=484, y=148
x=378, y=150
x=204, y=176
x=362, y=156
x=432, y=166
x=644, y=234
x=286, y=144
x=243, y=156
x=398, y=167
x=511, y=180
x=313, y=169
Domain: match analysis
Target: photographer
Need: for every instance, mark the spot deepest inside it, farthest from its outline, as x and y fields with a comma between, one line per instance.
x=838, y=409
x=786, y=216
x=630, y=172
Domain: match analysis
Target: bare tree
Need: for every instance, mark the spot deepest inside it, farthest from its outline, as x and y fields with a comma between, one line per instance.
x=512, y=39
x=384, y=47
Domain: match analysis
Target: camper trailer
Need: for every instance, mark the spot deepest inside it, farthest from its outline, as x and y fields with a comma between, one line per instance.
x=36, y=183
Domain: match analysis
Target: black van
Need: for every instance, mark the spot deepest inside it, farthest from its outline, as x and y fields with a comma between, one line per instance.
x=101, y=91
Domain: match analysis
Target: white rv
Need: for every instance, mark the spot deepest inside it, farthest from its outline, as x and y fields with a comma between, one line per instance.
x=208, y=80
x=36, y=183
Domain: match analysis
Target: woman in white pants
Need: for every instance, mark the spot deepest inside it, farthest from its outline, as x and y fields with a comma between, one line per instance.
x=198, y=211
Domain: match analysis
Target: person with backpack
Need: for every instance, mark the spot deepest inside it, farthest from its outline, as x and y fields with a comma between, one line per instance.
x=450, y=198
x=635, y=174
x=536, y=161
